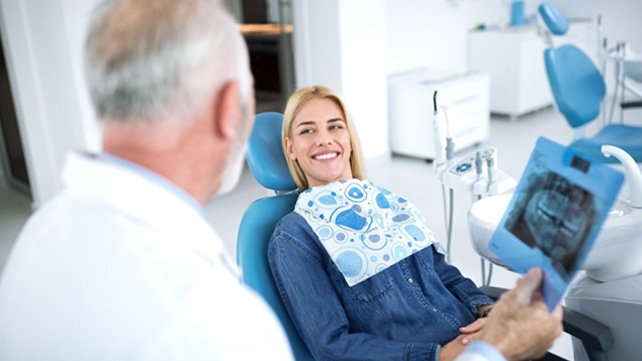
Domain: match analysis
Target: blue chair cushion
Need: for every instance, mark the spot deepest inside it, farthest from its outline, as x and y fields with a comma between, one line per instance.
x=265, y=154
x=577, y=85
x=627, y=137
x=267, y=163
x=256, y=228
x=554, y=19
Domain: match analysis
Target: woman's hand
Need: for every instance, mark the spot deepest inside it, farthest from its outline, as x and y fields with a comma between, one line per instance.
x=470, y=332
x=484, y=311
x=452, y=349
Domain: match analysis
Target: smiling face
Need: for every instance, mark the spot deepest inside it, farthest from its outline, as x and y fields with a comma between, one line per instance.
x=319, y=142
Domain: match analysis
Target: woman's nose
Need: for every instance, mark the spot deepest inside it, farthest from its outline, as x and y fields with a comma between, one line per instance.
x=324, y=138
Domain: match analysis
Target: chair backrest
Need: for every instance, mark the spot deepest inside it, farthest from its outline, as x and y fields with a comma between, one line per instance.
x=553, y=18
x=267, y=163
x=577, y=85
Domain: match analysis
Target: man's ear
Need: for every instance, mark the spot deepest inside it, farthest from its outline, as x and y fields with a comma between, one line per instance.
x=227, y=112
x=288, y=148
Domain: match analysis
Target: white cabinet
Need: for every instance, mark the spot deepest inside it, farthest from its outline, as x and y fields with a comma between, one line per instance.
x=514, y=58
x=410, y=105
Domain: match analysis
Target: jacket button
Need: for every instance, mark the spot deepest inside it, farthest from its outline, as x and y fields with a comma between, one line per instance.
x=410, y=280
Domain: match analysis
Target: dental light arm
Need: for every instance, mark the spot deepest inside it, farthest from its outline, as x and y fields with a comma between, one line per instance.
x=633, y=175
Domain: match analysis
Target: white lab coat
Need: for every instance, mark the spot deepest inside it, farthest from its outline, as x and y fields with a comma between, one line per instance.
x=480, y=351
x=117, y=267
x=470, y=356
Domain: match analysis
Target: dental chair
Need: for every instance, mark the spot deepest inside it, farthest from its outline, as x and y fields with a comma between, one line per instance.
x=267, y=163
x=578, y=89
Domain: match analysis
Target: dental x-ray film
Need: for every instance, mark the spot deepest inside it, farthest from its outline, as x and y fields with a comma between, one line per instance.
x=555, y=215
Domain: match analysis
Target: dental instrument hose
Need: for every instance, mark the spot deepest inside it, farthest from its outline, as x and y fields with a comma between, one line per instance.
x=483, y=261
x=490, y=163
x=450, y=154
x=448, y=217
x=449, y=151
x=448, y=202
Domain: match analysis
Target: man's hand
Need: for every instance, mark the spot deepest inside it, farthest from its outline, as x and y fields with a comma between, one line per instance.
x=520, y=326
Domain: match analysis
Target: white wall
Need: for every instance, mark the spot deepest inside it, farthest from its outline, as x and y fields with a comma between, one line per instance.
x=353, y=45
x=621, y=18
x=433, y=33
x=43, y=39
x=340, y=44
x=350, y=45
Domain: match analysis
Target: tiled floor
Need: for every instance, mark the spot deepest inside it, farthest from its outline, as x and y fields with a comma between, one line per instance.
x=410, y=177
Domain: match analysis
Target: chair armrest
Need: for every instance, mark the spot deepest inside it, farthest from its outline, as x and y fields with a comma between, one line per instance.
x=595, y=336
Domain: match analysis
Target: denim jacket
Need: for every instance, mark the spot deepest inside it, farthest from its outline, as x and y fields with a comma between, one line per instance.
x=405, y=312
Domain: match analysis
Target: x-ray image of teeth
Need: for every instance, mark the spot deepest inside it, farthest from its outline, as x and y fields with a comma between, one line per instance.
x=555, y=216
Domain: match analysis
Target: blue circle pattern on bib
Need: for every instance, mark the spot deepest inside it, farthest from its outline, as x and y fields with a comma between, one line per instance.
x=364, y=228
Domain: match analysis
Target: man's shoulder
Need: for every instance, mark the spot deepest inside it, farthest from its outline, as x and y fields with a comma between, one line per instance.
x=66, y=218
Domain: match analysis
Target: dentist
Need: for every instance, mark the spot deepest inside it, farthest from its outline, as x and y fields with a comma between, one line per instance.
x=122, y=264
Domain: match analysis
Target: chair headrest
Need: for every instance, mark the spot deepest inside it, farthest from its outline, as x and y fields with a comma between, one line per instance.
x=265, y=153
x=554, y=19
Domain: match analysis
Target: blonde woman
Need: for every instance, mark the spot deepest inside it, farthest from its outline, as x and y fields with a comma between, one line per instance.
x=357, y=265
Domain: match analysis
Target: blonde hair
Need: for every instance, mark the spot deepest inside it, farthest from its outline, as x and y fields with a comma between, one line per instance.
x=294, y=105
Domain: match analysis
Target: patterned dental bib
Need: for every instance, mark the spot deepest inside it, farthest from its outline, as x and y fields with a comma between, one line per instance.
x=364, y=228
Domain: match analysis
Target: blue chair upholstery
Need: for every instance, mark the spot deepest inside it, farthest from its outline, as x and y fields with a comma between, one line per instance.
x=578, y=89
x=554, y=19
x=267, y=163
x=265, y=154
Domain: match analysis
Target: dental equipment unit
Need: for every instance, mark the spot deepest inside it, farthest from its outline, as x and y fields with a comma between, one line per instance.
x=475, y=173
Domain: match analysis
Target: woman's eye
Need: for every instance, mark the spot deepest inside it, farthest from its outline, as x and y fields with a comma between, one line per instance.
x=336, y=126
x=305, y=131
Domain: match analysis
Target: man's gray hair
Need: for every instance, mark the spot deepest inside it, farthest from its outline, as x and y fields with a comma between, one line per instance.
x=161, y=60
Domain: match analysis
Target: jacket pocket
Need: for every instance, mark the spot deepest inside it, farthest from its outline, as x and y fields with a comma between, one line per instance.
x=372, y=289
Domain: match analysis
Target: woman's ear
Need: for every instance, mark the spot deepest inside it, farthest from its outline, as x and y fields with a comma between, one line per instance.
x=288, y=148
